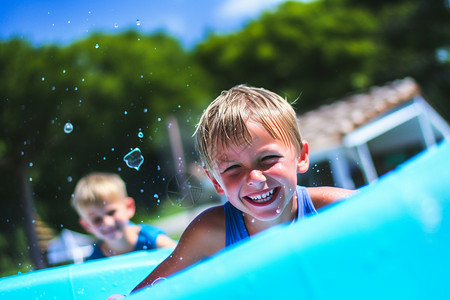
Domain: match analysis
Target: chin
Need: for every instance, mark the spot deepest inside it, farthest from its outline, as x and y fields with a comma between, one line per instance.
x=113, y=236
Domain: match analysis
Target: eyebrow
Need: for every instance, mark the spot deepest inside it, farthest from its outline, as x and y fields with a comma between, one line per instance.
x=221, y=164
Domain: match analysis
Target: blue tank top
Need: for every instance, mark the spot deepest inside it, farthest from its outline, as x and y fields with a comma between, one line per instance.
x=234, y=221
x=146, y=241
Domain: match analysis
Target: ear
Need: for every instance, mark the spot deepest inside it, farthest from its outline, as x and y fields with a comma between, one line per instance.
x=303, y=158
x=85, y=225
x=216, y=184
x=131, y=206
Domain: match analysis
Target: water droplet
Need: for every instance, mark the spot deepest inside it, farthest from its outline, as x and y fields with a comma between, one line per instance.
x=155, y=196
x=134, y=159
x=64, y=71
x=96, y=46
x=125, y=112
x=145, y=110
x=69, y=179
x=278, y=211
x=68, y=128
x=31, y=164
x=43, y=78
x=158, y=280
x=116, y=25
x=140, y=134
x=138, y=22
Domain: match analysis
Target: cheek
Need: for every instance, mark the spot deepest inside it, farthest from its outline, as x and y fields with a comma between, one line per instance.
x=121, y=218
x=286, y=173
x=280, y=169
x=229, y=183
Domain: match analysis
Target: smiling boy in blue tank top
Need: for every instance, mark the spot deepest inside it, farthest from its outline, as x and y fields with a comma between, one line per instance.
x=252, y=149
x=105, y=210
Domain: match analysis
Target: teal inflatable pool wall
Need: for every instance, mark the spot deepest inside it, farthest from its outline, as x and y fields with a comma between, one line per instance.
x=91, y=280
x=390, y=241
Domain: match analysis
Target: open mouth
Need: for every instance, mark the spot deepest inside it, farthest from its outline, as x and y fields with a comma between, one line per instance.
x=262, y=198
x=109, y=232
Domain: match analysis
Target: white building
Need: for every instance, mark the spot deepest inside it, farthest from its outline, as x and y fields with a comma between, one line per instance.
x=355, y=140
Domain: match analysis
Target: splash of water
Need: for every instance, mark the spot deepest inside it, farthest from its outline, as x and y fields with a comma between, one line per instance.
x=134, y=159
x=68, y=128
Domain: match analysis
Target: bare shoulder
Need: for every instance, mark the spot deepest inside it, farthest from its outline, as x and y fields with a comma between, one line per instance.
x=324, y=195
x=207, y=231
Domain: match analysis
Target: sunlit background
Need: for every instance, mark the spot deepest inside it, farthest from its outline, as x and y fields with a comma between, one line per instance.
x=83, y=83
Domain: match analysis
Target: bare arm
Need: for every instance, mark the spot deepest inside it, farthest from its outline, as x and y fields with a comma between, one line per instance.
x=324, y=195
x=202, y=238
x=163, y=241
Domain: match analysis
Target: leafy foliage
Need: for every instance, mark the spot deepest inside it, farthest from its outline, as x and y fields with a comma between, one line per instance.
x=110, y=88
x=316, y=50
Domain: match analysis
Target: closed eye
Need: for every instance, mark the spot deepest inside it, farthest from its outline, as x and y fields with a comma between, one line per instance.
x=97, y=221
x=270, y=158
x=231, y=168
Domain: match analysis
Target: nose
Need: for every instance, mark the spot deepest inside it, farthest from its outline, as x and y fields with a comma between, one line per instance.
x=255, y=177
x=108, y=221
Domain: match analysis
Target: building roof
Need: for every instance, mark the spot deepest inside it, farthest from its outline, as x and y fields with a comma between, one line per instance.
x=325, y=126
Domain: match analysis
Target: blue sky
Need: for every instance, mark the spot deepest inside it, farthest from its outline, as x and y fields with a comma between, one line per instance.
x=63, y=21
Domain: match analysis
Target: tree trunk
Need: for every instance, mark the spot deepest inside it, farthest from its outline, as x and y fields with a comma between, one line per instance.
x=28, y=211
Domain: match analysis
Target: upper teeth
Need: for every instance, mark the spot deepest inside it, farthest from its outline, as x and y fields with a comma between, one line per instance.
x=263, y=197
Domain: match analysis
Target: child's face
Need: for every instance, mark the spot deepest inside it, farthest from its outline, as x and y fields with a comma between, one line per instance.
x=259, y=179
x=108, y=222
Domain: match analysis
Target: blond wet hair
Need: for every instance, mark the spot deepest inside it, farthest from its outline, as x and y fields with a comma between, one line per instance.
x=224, y=122
x=95, y=188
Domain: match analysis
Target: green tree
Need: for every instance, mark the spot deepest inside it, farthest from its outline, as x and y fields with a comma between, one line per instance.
x=414, y=39
x=314, y=49
x=110, y=88
x=326, y=49
x=26, y=105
